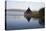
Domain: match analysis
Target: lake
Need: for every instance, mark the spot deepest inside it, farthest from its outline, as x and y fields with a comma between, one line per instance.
x=16, y=20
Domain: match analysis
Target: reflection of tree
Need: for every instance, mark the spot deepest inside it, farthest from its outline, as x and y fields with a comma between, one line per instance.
x=28, y=19
x=41, y=13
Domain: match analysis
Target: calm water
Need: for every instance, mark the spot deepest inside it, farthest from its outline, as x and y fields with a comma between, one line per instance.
x=16, y=20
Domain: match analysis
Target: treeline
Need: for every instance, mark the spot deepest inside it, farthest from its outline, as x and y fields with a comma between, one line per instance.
x=39, y=13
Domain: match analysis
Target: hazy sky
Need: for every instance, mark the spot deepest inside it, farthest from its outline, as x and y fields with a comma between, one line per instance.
x=24, y=5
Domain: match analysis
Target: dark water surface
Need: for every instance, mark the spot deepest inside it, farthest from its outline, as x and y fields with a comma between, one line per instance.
x=17, y=21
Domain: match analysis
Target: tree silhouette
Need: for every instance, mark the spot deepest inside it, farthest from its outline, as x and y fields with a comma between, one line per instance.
x=28, y=10
x=42, y=11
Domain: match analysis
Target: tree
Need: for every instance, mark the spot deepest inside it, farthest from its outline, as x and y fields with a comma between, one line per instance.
x=42, y=11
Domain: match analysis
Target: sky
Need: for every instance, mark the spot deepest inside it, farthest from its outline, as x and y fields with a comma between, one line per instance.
x=12, y=4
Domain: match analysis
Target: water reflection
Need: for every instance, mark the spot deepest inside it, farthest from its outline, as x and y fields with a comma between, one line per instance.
x=28, y=18
x=19, y=22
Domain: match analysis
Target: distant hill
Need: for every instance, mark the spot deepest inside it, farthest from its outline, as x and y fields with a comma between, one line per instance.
x=16, y=10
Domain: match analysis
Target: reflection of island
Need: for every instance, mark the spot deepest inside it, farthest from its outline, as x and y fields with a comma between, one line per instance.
x=28, y=19
x=27, y=14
